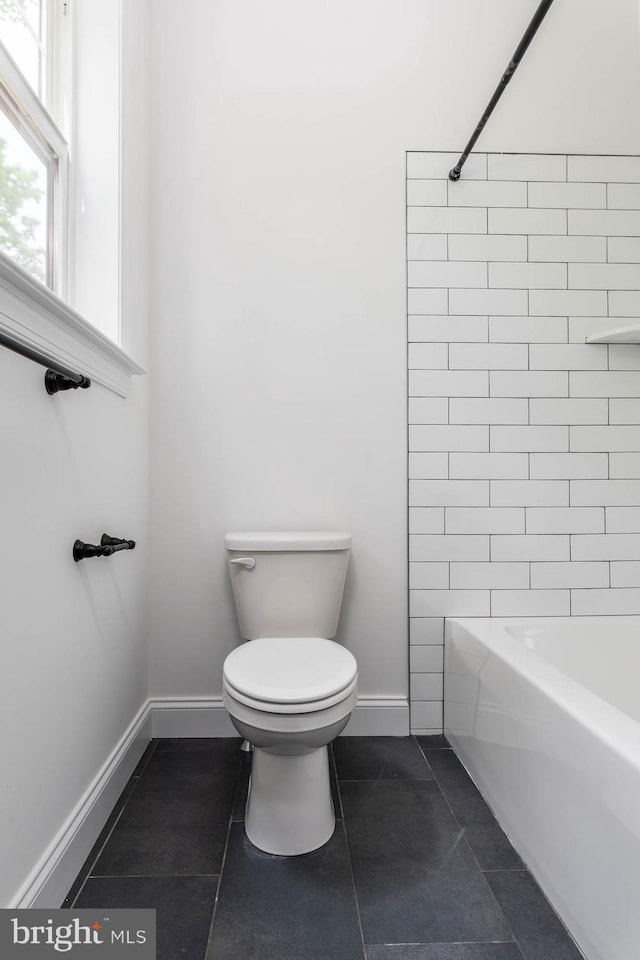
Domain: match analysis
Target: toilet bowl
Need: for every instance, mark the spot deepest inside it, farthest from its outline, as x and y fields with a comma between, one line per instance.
x=289, y=695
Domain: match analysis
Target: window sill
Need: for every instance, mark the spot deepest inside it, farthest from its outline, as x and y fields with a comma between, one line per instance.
x=34, y=315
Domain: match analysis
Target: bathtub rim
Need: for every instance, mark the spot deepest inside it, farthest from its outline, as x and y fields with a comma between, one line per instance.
x=609, y=723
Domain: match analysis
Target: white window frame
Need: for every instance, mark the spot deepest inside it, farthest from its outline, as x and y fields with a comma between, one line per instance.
x=36, y=125
x=31, y=312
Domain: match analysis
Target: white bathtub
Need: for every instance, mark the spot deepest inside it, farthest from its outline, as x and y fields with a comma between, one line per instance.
x=545, y=715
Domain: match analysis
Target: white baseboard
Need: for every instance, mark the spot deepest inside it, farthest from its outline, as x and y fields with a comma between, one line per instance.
x=190, y=717
x=207, y=717
x=51, y=878
x=379, y=717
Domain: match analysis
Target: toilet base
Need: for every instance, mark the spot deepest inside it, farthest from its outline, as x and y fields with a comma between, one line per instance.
x=289, y=809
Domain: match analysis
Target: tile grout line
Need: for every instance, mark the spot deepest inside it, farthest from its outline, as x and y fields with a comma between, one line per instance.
x=224, y=858
x=137, y=778
x=150, y=876
x=90, y=875
x=351, y=871
x=395, y=779
x=334, y=768
x=463, y=837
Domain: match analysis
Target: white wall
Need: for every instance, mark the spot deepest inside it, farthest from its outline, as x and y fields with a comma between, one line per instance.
x=279, y=134
x=74, y=659
x=74, y=671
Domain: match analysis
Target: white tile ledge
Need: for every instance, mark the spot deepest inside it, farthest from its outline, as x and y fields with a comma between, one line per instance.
x=34, y=315
x=630, y=334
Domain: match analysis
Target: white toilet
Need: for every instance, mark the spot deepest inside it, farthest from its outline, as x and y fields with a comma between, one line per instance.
x=291, y=689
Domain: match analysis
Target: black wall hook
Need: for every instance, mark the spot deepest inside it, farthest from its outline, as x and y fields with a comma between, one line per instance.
x=107, y=546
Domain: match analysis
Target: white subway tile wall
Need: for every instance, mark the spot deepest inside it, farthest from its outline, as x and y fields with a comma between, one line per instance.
x=524, y=441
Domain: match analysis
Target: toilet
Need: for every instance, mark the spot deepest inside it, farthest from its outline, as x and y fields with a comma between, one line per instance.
x=290, y=688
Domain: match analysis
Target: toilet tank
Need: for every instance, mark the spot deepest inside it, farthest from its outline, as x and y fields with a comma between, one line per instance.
x=288, y=584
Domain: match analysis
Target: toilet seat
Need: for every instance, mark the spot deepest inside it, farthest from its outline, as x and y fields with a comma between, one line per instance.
x=290, y=674
x=300, y=707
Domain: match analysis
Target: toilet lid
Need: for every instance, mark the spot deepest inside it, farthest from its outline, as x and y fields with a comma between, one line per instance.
x=290, y=669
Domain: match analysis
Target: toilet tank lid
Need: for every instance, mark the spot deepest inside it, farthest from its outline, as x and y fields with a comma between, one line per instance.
x=288, y=540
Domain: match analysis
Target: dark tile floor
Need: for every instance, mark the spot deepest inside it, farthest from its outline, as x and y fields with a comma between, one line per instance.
x=417, y=869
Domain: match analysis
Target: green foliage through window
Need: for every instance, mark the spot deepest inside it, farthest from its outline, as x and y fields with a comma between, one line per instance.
x=17, y=229
x=12, y=11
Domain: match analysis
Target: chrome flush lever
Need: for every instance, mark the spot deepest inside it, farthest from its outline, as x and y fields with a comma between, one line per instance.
x=248, y=562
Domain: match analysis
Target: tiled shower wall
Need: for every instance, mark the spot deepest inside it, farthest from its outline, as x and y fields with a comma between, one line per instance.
x=524, y=442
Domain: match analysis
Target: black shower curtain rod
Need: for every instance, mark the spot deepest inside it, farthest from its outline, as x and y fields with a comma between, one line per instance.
x=530, y=33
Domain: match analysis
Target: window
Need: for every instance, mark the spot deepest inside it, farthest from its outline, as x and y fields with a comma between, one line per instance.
x=33, y=151
x=72, y=251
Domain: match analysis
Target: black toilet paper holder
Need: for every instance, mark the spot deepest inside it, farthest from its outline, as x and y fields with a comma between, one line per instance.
x=107, y=546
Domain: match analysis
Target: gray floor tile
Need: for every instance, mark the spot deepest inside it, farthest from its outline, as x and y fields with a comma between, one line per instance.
x=176, y=820
x=190, y=769
x=535, y=925
x=462, y=795
x=422, y=895
x=491, y=847
x=158, y=850
x=444, y=951
x=416, y=879
x=380, y=758
x=183, y=905
x=286, y=908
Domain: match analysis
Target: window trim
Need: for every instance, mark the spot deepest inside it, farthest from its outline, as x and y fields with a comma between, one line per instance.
x=33, y=314
x=20, y=89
